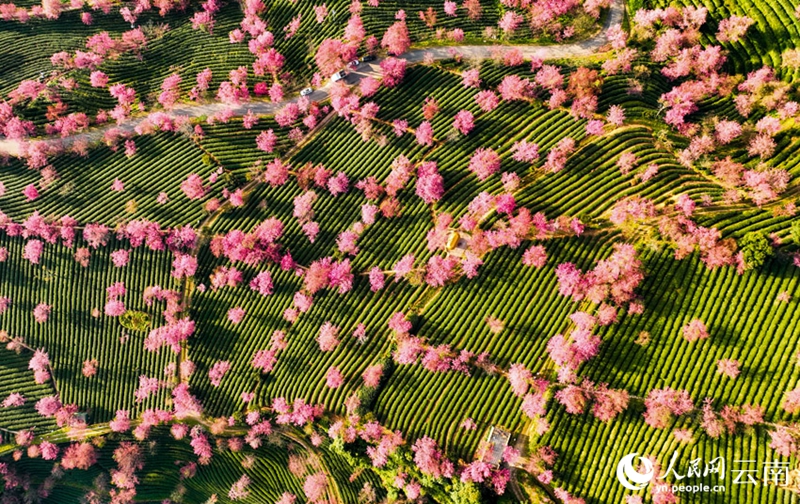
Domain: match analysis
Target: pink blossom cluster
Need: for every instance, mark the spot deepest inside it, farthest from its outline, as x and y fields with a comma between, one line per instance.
x=614, y=279
x=172, y=334
x=298, y=413
x=430, y=459
x=217, y=371
x=607, y=402
x=570, y=352
x=662, y=404
x=557, y=156
x=251, y=248
x=688, y=237
x=430, y=184
x=327, y=273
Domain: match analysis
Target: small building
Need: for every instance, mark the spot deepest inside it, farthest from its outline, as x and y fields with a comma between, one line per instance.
x=457, y=244
x=498, y=440
x=452, y=241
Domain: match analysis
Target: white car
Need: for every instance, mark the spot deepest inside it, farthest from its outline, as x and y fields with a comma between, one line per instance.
x=354, y=63
x=307, y=91
x=341, y=74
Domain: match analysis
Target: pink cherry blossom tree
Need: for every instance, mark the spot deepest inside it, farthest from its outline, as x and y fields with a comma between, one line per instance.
x=333, y=378
x=42, y=312
x=315, y=486
x=396, y=40
x=79, y=456
x=430, y=184
x=393, y=70
x=218, y=371
x=484, y=163
x=430, y=459
x=694, y=330
x=662, y=404
x=333, y=54
x=424, y=133
x=519, y=378
x=328, y=337
x=464, y=122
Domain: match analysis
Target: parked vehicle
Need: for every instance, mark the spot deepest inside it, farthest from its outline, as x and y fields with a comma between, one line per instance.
x=307, y=91
x=354, y=63
x=368, y=58
x=341, y=74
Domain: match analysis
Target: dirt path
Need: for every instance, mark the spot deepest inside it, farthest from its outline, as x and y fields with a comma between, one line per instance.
x=372, y=69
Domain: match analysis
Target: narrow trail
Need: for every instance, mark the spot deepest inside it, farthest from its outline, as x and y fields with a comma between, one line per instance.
x=578, y=49
x=514, y=482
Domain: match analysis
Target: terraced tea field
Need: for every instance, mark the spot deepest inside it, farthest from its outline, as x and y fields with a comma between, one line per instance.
x=526, y=252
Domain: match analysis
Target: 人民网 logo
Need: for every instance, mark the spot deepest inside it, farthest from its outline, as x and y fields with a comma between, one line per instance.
x=630, y=477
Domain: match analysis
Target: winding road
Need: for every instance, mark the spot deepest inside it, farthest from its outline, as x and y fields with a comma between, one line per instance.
x=473, y=52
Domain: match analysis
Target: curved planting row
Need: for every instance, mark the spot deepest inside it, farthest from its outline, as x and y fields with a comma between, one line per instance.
x=76, y=329
x=184, y=50
x=28, y=46
x=168, y=470
x=187, y=51
x=335, y=147
x=405, y=102
x=277, y=467
x=270, y=471
x=589, y=449
x=498, y=130
x=83, y=188
x=15, y=377
x=776, y=29
x=752, y=326
x=181, y=49
x=234, y=148
x=379, y=19
x=594, y=168
x=738, y=222
x=216, y=337
x=420, y=402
